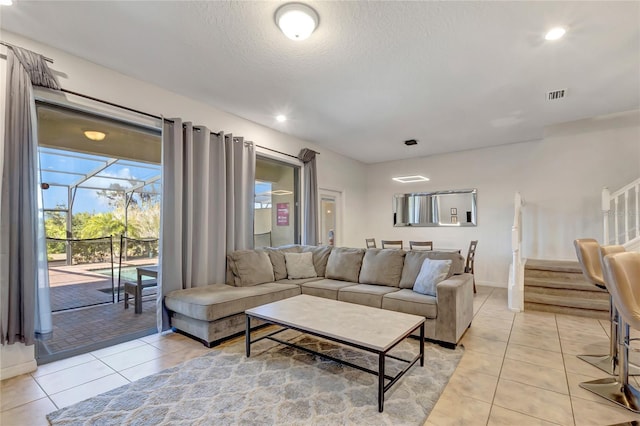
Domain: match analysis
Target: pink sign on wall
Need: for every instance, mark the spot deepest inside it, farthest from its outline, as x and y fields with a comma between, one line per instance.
x=282, y=214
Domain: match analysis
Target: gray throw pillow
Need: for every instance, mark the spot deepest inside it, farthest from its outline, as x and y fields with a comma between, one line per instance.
x=300, y=265
x=431, y=273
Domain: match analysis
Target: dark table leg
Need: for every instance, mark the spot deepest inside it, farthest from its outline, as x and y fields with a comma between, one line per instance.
x=138, y=301
x=247, y=336
x=422, y=345
x=381, y=359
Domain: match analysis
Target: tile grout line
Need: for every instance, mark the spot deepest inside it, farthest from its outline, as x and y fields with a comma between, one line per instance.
x=566, y=375
x=500, y=373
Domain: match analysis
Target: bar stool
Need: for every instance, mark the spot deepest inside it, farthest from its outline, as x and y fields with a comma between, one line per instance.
x=622, y=278
x=589, y=255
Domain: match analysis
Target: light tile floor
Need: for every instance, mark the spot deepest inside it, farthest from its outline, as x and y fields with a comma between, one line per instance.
x=518, y=369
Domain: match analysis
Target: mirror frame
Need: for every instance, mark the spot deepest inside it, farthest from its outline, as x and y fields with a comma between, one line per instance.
x=474, y=208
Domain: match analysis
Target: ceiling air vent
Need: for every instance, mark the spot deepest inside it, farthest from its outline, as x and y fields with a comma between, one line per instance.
x=556, y=94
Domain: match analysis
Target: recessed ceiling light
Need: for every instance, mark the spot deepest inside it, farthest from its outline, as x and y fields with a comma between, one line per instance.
x=6, y=2
x=281, y=118
x=94, y=135
x=555, y=33
x=296, y=20
x=409, y=179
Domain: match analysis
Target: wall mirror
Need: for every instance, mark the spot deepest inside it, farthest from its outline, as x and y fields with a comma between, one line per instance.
x=437, y=208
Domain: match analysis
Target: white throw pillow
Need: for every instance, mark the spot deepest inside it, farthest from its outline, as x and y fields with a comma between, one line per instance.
x=431, y=273
x=300, y=265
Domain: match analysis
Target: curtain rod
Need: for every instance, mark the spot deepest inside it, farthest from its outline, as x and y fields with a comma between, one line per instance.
x=4, y=43
x=162, y=118
x=71, y=92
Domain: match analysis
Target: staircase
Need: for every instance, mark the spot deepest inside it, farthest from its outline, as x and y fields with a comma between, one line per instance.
x=560, y=287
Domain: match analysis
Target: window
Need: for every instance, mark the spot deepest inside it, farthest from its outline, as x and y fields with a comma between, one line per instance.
x=276, y=218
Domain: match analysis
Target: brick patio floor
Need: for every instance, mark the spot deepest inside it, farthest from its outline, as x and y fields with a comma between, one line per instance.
x=78, y=329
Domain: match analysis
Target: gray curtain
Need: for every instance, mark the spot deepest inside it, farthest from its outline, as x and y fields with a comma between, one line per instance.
x=310, y=194
x=24, y=281
x=204, y=195
x=241, y=176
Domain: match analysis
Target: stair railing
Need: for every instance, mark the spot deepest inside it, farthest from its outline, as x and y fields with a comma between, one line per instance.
x=626, y=220
x=516, y=272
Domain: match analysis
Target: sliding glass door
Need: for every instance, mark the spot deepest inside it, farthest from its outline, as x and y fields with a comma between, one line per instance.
x=277, y=203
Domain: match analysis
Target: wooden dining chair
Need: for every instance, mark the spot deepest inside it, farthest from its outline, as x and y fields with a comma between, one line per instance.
x=392, y=243
x=371, y=242
x=468, y=267
x=421, y=245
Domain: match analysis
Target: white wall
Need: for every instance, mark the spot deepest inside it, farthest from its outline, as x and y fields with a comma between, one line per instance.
x=79, y=75
x=560, y=177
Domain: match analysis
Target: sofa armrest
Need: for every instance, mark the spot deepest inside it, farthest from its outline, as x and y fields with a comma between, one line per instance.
x=455, y=307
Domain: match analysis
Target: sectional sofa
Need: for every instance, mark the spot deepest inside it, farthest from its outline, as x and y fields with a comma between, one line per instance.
x=381, y=278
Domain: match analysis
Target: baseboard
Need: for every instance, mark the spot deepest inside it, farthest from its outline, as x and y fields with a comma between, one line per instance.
x=490, y=284
x=18, y=369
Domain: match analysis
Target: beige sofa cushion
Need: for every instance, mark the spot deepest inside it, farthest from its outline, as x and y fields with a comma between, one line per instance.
x=382, y=267
x=320, y=257
x=276, y=255
x=414, y=259
x=324, y=288
x=365, y=294
x=410, y=302
x=216, y=301
x=344, y=264
x=250, y=267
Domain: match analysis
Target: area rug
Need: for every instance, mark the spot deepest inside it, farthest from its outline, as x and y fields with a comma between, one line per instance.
x=276, y=385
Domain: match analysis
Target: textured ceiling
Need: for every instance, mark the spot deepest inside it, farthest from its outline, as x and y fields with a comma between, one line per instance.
x=453, y=75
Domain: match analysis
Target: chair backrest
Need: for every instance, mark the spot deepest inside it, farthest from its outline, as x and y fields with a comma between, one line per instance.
x=393, y=243
x=622, y=275
x=471, y=255
x=588, y=252
x=426, y=245
x=371, y=242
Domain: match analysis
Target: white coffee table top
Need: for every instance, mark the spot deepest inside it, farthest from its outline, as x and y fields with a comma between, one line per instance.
x=373, y=328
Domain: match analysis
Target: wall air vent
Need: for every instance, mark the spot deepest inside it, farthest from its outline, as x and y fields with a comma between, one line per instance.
x=556, y=94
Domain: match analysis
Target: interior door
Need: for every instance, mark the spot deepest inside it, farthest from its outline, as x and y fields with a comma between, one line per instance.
x=330, y=217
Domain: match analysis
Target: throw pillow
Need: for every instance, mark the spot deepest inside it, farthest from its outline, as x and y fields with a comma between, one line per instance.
x=431, y=273
x=300, y=265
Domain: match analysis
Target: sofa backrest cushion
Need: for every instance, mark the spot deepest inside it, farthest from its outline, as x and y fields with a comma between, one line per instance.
x=382, y=267
x=276, y=255
x=320, y=257
x=344, y=264
x=250, y=267
x=414, y=259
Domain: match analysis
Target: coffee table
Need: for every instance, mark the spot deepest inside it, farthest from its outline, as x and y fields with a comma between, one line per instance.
x=363, y=327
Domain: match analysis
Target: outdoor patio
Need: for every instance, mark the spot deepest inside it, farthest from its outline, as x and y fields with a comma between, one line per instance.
x=79, y=328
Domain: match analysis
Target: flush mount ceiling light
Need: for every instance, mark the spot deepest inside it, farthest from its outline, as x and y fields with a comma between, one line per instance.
x=6, y=2
x=281, y=118
x=555, y=33
x=410, y=179
x=296, y=20
x=281, y=192
x=94, y=135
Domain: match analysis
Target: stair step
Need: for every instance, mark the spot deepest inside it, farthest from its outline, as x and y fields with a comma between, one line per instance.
x=555, y=275
x=588, y=313
x=554, y=282
x=553, y=265
x=593, y=300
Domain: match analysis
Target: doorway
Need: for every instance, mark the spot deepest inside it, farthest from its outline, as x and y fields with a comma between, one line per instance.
x=330, y=217
x=101, y=185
